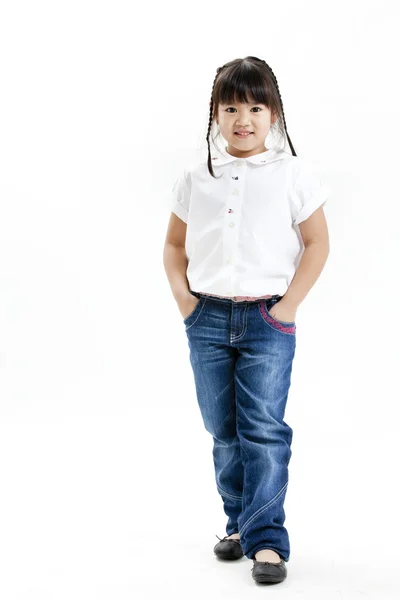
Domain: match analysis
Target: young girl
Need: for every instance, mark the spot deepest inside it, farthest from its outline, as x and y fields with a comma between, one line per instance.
x=246, y=241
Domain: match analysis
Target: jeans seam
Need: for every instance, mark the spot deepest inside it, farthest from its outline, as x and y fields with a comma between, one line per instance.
x=200, y=311
x=236, y=338
x=263, y=508
x=292, y=325
x=224, y=493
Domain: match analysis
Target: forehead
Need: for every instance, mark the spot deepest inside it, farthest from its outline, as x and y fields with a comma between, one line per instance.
x=241, y=103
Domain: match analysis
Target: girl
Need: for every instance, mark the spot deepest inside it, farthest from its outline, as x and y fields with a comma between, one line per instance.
x=246, y=241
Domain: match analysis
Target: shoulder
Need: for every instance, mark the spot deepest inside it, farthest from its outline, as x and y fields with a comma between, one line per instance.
x=290, y=161
x=301, y=172
x=190, y=169
x=299, y=163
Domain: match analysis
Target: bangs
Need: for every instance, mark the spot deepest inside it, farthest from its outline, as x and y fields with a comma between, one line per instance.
x=245, y=84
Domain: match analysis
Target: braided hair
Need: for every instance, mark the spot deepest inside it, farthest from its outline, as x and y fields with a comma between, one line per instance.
x=237, y=78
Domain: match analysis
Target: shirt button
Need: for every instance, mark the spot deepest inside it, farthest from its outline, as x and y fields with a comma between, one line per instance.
x=231, y=224
x=235, y=192
x=229, y=260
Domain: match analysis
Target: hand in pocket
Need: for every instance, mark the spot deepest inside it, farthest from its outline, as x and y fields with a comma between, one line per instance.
x=283, y=313
x=187, y=305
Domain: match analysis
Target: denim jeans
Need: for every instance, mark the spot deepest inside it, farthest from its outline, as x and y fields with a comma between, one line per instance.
x=241, y=358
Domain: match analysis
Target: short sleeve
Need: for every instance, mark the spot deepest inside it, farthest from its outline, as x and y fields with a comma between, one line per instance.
x=308, y=192
x=180, y=196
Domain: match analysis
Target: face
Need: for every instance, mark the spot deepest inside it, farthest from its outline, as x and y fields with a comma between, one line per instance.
x=252, y=117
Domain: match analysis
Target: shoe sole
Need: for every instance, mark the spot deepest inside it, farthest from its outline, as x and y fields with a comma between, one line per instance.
x=268, y=579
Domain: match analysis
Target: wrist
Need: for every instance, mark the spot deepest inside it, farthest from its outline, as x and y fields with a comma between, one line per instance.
x=182, y=294
x=290, y=303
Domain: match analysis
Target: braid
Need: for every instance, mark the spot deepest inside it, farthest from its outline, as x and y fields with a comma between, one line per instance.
x=209, y=162
x=283, y=113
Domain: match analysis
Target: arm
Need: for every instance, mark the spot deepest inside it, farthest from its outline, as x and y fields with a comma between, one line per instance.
x=175, y=264
x=314, y=232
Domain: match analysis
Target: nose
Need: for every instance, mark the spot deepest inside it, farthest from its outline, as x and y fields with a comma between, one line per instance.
x=243, y=121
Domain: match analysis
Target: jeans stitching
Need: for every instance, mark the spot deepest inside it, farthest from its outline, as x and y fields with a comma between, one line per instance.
x=224, y=493
x=263, y=508
x=200, y=311
x=238, y=337
x=263, y=306
x=288, y=330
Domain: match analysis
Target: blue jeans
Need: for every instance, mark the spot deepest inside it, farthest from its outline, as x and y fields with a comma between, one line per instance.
x=241, y=358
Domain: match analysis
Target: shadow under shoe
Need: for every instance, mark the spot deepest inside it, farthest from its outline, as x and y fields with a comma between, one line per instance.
x=268, y=572
x=228, y=549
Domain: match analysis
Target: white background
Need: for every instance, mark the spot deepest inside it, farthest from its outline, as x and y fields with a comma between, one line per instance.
x=107, y=482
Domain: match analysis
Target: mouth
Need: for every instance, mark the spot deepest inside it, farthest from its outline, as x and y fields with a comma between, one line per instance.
x=243, y=134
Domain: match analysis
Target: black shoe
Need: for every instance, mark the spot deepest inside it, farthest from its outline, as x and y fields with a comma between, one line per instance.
x=268, y=572
x=228, y=549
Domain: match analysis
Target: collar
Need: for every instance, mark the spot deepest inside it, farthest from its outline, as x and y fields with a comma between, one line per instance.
x=222, y=157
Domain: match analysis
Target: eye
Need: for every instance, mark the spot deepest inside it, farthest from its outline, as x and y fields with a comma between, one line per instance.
x=231, y=107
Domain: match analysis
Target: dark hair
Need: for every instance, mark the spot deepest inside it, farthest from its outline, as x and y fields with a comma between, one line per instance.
x=239, y=78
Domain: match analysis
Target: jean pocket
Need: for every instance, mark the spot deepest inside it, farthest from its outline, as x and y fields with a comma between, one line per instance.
x=283, y=326
x=194, y=311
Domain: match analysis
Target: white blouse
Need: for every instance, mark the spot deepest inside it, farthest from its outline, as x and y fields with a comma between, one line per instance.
x=242, y=236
